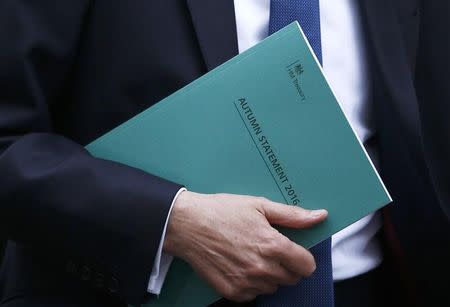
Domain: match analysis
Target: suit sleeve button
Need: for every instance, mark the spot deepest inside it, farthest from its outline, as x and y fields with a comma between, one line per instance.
x=99, y=280
x=85, y=273
x=113, y=285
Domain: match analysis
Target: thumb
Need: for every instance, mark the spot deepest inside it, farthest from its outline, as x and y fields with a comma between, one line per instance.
x=292, y=216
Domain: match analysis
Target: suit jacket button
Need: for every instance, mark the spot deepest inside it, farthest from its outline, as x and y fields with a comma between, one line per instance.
x=113, y=285
x=85, y=273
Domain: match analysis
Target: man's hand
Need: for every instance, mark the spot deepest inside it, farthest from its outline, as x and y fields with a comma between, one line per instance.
x=229, y=241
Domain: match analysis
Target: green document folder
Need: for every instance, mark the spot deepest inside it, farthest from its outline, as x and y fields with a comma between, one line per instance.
x=264, y=123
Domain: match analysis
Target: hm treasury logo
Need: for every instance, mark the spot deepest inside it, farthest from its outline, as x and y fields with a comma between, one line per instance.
x=295, y=70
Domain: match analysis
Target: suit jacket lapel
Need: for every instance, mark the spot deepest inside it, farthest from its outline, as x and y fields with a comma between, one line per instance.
x=215, y=25
x=390, y=58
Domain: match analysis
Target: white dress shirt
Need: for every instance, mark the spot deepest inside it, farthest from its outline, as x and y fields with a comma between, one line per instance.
x=163, y=260
x=355, y=249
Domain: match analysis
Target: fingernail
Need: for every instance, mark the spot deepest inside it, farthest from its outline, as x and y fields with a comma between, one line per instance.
x=318, y=213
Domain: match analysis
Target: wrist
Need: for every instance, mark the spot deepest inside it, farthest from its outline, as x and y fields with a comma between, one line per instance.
x=175, y=230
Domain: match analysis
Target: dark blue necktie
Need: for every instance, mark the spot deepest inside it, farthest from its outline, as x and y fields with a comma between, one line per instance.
x=316, y=291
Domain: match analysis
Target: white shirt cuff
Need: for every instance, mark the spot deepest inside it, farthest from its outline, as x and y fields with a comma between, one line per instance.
x=162, y=260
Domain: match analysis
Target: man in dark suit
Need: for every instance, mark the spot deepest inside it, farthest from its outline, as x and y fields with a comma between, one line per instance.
x=85, y=232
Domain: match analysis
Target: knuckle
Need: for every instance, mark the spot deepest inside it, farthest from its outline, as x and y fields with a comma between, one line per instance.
x=267, y=246
x=231, y=293
x=226, y=293
x=298, y=213
x=273, y=245
x=243, y=286
x=270, y=249
x=260, y=269
x=310, y=266
x=284, y=244
x=298, y=210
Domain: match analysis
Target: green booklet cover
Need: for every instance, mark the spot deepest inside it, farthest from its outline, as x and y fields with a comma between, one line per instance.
x=264, y=123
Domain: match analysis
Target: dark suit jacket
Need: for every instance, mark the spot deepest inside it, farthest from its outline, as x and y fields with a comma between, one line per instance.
x=72, y=70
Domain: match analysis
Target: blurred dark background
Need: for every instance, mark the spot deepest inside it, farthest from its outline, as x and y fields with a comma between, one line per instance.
x=2, y=247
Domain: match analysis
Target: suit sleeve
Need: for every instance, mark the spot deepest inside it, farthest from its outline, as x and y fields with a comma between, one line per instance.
x=433, y=86
x=95, y=217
